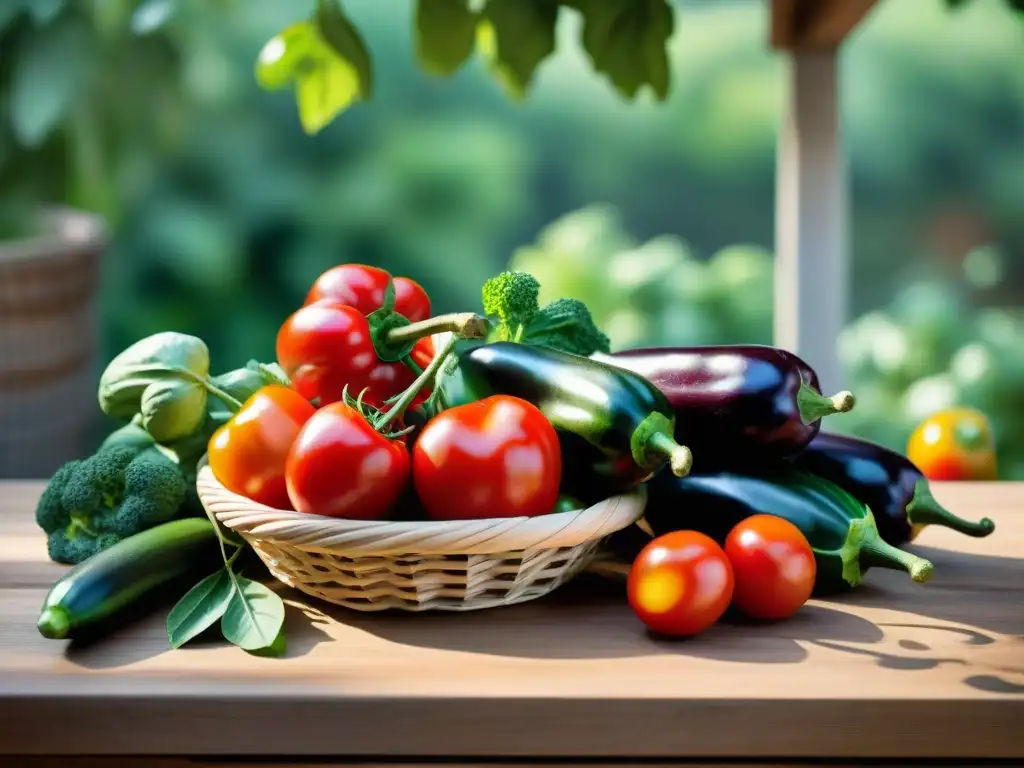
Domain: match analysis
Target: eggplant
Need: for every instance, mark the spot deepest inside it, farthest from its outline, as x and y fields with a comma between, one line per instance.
x=895, y=490
x=740, y=400
x=614, y=426
x=840, y=529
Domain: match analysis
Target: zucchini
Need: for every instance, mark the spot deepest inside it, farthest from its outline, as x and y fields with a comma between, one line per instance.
x=110, y=581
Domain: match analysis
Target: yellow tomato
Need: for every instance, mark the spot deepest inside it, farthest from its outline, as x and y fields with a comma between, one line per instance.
x=955, y=444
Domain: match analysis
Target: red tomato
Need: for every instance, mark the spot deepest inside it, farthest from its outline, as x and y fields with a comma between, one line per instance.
x=248, y=454
x=339, y=466
x=325, y=346
x=362, y=287
x=680, y=584
x=773, y=566
x=497, y=457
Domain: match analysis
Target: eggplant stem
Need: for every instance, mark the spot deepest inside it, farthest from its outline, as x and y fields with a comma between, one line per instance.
x=924, y=510
x=813, y=405
x=871, y=551
x=652, y=445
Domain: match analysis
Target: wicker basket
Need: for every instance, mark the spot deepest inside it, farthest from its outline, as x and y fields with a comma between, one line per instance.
x=48, y=344
x=417, y=566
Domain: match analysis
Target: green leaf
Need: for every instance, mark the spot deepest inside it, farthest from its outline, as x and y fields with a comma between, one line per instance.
x=254, y=616
x=515, y=37
x=172, y=410
x=329, y=74
x=282, y=58
x=270, y=373
x=338, y=32
x=276, y=649
x=626, y=41
x=44, y=11
x=127, y=376
x=48, y=73
x=445, y=35
x=200, y=608
x=151, y=15
x=9, y=11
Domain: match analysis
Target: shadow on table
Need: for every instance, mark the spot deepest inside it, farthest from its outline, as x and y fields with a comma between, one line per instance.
x=604, y=627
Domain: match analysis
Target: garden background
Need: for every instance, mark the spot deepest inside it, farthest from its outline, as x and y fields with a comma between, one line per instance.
x=659, y=216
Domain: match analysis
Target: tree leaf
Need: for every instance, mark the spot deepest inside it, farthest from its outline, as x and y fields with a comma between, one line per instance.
x=48, y=73
x=45, y=11
x=339, y=33
x=200, y=608
x=254, y=616
x=515, y=37
x=325, y=92
x=282, y=57
x=9, y=11
x=626, y=41
x=151, y=15
x=445, y=35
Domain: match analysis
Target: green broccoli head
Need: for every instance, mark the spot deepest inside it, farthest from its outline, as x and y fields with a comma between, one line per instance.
x=118, y=492
x=512, y=297
x=566, y=325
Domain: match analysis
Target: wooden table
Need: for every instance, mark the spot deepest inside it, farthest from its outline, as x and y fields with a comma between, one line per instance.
x=892, y=671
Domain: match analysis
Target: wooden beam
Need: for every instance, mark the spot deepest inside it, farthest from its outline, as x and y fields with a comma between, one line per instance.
x=815, y=24
x=811, y=255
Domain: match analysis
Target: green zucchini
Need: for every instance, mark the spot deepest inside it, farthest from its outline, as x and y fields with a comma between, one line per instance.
x=615, y=427
x=110, y=581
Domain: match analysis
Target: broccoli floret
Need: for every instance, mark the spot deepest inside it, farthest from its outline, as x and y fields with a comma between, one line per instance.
x=565, y=324
x=91, y=504
x=512, y=297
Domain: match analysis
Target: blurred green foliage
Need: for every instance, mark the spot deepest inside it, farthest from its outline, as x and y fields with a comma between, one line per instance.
x=658, y=214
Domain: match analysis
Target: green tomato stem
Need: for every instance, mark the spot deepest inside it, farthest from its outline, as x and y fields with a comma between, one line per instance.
x=468, y=325
x=403, y=403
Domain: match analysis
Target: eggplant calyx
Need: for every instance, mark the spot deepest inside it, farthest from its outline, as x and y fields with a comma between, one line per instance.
x=864, y=548
x=924, y=510
x=652, y=445
x=813, y=405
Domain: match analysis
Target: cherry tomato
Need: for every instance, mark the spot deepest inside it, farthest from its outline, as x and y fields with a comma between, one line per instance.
x=773, y=567
x=248, y=454
x=339, y=466
x=955, y=444
x=497, y=457
x=680, y=583
x=362, y=287
x=327, y=345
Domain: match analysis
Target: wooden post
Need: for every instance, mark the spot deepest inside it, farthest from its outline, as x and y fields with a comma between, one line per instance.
x=811, y=255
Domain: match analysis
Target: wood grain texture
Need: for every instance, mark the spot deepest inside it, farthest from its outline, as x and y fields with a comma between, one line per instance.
x=891, y=671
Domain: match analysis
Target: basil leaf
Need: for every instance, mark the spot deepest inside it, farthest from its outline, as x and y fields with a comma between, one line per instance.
x=254, y=616
x=276, y=649
x=626, y=41
x=515, y=37
x=200, y=608
x=445, y=35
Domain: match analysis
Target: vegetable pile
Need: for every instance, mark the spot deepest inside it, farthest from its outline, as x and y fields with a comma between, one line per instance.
x=376, y=409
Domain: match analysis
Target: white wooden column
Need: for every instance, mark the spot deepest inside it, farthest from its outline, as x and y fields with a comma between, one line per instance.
x=811, y=243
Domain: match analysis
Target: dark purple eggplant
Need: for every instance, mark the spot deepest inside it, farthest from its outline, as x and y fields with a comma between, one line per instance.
x=887, y=483
x=742, y=400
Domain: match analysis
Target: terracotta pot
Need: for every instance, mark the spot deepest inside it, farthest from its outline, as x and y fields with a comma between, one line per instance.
x=48, y=344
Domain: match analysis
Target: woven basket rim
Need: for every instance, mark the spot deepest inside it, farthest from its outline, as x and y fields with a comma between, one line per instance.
x=366, y=537
x=66, y=230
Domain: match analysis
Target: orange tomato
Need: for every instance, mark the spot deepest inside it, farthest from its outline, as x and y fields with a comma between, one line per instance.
x=249, y=453
x=955, y=444
x=680, y=584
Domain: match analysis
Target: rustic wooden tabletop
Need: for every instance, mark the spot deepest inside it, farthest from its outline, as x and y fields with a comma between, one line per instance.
x=892, y=670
